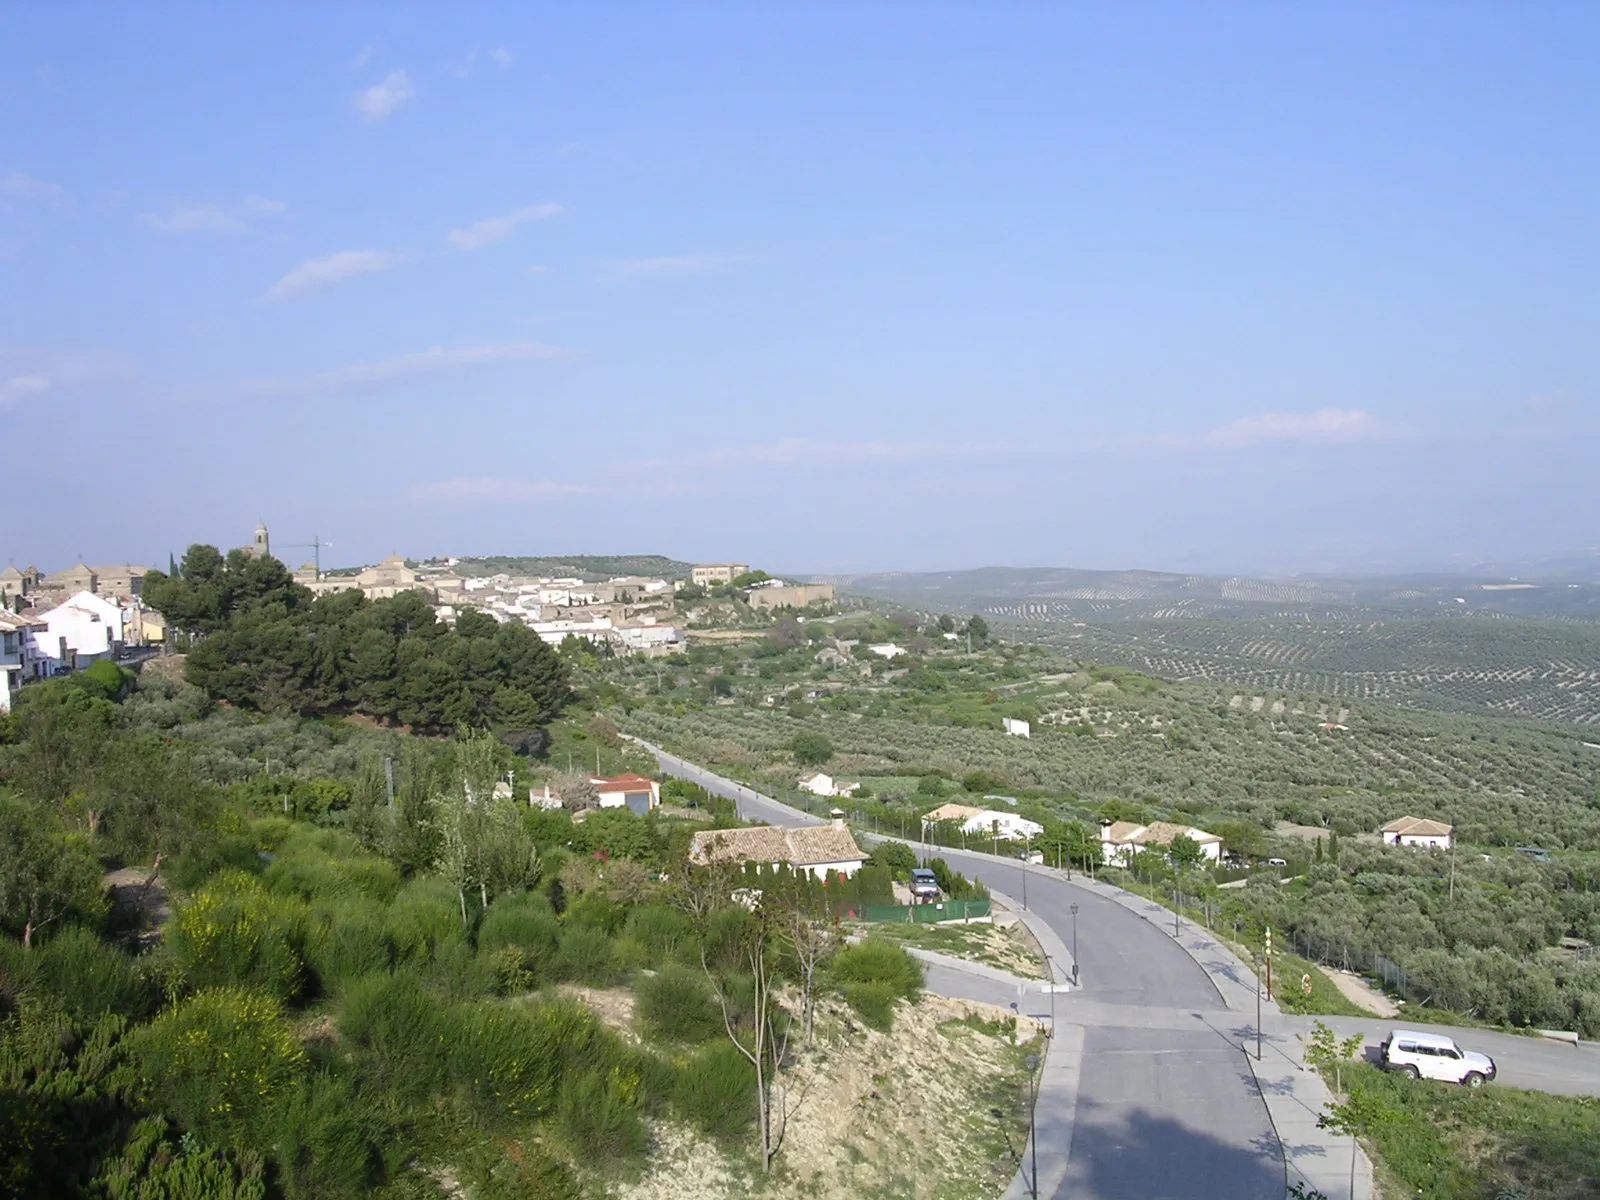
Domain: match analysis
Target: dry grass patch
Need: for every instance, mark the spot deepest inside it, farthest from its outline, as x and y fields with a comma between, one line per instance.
x=902, y=1114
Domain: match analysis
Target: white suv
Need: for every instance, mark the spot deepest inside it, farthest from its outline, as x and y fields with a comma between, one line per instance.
x=1433, y=1056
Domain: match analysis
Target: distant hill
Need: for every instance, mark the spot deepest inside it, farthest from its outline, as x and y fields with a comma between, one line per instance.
x=589, y=567
x=1064, y=592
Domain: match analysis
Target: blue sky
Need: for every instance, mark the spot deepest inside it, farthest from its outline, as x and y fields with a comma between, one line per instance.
x=830, y=287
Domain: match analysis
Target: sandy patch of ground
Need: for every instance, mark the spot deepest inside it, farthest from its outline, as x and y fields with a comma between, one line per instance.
x=139, y=899
x=1005, y=943
x=614, y=1006
x=1362, y=994
x=903, y=1114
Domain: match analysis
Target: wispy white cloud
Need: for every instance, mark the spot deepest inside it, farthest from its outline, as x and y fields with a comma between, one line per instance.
x=496, y=229
x=25, y=187
x=502, y=57
x=490, y=490
x=408, y=367
x=536, y=270
x=212, y=218
x=27, y=373
x=363, y=56
x=684, y=264
x=382, y=100
x=1324, y=425
x=323, y=272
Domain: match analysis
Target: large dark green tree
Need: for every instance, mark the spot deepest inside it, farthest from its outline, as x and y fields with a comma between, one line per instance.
x=263, y=642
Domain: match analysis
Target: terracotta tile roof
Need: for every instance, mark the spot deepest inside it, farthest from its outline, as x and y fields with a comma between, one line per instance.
x=11, y=620
x=768, y=844
x=621, y=783
x=1157, y=833
x=1419, y=827
x=953, y=812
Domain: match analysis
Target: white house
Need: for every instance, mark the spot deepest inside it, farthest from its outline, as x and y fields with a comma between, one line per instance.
x=628, y=791
x=83, y=629
x=986, y=822
x=1415, y=831
x=815, y=849
x=18, y=653
x=887, y=650
x=1016, y=728
x=820, y=784
x=1121, y=840
x=645, y=636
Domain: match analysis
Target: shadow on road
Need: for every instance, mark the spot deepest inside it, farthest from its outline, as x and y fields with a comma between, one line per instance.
x=1144, y=1156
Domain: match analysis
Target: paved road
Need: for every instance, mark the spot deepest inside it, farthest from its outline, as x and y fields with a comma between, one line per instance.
x=1166, y=1107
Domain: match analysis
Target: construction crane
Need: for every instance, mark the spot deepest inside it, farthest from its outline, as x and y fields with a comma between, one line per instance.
x=316, y=545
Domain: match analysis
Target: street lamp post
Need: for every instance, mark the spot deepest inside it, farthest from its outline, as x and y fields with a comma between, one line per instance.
x=1027, y=853
x=1050, y=976
x=1032, y=1063
x=1258, y=1008
x=1074, y=944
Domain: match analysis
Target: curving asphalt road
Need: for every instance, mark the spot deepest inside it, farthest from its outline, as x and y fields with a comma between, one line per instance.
x=1167, y=1108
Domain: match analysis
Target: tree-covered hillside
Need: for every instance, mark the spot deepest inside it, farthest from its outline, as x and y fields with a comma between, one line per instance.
x=261, y=641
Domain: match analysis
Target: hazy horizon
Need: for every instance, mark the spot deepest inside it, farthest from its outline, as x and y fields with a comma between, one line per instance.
x=1255, y=289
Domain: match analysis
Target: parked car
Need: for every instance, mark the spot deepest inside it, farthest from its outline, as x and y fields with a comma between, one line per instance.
x=1275, y=862
x=1434, y=1056
x=924, y=885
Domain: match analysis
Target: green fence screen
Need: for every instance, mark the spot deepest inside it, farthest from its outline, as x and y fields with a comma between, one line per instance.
x=925, y=914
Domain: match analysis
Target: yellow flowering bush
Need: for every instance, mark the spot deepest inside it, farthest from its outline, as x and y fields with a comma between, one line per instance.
x=217, y=1061
x=233, y=931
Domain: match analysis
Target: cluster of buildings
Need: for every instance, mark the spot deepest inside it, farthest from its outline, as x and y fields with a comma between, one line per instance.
x=56, y=624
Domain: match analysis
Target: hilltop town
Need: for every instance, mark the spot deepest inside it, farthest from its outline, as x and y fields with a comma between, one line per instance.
x=68, y=621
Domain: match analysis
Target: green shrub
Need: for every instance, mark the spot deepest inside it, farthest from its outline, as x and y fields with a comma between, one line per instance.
x=716, y=1091
x=325, y=1141
x=596, y=911
x=424, y=916
x=877, y=960
x=597, y=1113
x=522, y=923
x=521, y=1171
x=346, y=939
x=666, y=932
x=325, y=864
x=206, y=856
x=234, y=933
x=511, y=1058
x=104, y=679
x=585, y=956
x=873, y=1002
x=400, y=1032
x=151, y=1167
x=218, y=1061
x=88, y=978
x=872, y=975
x=676, y=1004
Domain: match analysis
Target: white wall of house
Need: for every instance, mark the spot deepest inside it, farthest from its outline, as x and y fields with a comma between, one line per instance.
x=1017, y=728
x=818, y=784
x=83, y=630
x=1009, y=825
x=1424, y=841
x=846, y=868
